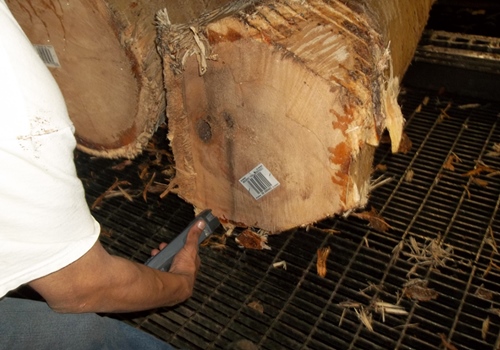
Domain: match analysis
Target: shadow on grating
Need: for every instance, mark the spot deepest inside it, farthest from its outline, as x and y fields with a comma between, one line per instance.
x=300, y=310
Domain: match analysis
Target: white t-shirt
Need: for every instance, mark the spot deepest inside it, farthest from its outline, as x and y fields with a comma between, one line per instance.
x=45, y=223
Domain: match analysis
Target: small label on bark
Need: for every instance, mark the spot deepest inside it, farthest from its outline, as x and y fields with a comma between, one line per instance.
x=48, y=55
x=259, y=181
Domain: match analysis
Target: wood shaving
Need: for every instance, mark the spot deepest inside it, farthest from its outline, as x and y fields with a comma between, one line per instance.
x=365, y=317
x=444, y=113
x=469, y=106
x=116, y=184
x=491, y=239
x=384, y=308
x=451, y=161
x=433, y=254
x=145, y=191
x=346, y=305
x=257, y=306
x=417, y=289
x=494, y=311
x=321, y=261
x=374, y=219
x=350, y=304
x=479, y=169
x=249, y=239
x=122, y=165
x=496, y=150
x=485, y=328
x=372, y=287
x=157, y=187
x=405, y=145
x=217, y=242
x=125, y=194
x=378, y=182
x=479, y=182
x=171, y=188
x=484, y=293
x=445, y=343
x=144, y=168
x=280, y=264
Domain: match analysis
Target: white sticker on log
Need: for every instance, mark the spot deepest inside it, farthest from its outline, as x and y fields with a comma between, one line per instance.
x=259, y=181
x=48, y=55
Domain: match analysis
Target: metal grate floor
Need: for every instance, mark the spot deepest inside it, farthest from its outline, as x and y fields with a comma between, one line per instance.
x=299, y=309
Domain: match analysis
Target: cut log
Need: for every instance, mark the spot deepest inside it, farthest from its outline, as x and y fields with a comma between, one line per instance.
x=275, y=107
x=110, y=72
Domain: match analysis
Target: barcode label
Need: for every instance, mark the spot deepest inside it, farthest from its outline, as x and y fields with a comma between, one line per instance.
x=48, y=55
x=259, y=181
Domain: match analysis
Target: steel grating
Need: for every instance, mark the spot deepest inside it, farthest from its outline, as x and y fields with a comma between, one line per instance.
x=301, y=310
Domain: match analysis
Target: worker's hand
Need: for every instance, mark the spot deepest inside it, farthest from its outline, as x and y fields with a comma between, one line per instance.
x=187, y=261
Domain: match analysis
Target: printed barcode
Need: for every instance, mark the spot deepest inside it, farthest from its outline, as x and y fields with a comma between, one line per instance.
x=48, y=55
x=259, y=181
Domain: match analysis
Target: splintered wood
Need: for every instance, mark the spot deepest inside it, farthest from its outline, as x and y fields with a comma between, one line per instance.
x=275, y=107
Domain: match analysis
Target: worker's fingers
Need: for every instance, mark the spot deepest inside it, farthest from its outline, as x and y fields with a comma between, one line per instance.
x=194, y=235
x=160, y=247
x=187, y=260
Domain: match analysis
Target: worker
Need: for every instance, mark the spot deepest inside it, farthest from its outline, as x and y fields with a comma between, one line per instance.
x=48, y=237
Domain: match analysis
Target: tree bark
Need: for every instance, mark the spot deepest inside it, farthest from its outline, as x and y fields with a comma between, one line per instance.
x=305, y=88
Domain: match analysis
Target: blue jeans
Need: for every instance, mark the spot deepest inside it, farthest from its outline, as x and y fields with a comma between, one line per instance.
x=28, y=324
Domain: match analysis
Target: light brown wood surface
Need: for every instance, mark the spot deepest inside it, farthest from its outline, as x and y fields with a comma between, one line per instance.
x=110, y=74
x=304, y=87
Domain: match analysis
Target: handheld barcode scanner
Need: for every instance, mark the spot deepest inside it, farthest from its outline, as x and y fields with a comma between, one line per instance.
x=163, y=259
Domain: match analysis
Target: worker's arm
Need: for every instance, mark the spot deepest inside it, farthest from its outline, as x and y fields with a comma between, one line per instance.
x=100, y=282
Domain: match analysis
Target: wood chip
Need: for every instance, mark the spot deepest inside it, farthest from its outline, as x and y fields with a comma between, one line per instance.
x=257, y=306
x=249, y=239
x=451, y=161
x=485, y=328
x=321, y=261
x=375, y=220
x=409, y=175
x=445, y=343
x=417, y=290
